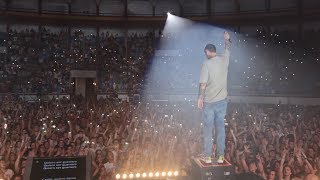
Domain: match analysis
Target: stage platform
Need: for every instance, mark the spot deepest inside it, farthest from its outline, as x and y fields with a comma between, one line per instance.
x=211, y=171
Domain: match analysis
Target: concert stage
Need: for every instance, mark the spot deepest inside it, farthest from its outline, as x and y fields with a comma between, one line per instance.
x=198, y=171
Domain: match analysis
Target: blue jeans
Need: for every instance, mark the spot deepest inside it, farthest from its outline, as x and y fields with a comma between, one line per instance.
x=214, y=114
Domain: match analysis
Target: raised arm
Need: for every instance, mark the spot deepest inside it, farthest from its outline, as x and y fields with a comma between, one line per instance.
x=227, y=41
x=234, y=139
x=312, y=170
x=283, y=158
x=244, y=163
x=260, y=167
x=20, y=154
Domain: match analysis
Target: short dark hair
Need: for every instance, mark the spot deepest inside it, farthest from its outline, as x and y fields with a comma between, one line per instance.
x=210, y=47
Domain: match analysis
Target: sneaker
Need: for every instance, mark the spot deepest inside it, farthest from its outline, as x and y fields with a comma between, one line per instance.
x=220, y=159
x=206, y=159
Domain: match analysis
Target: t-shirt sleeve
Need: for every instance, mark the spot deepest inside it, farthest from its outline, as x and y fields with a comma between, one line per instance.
x=204, y=74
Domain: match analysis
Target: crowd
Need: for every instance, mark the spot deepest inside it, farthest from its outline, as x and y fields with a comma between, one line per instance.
x=62, y=128
x=39, y=61
x=275, y=141
x=278, y=61
x=271, y=141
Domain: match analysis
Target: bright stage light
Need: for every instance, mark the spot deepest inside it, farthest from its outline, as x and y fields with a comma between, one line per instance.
x=131, y=176
x=144, y=175
x=137, y=175
x=176, y=173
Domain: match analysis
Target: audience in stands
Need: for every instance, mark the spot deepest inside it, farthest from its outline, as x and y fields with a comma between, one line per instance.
x=40, y=62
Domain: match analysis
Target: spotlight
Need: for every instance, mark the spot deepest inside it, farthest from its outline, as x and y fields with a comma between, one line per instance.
x=124, y=176
x=163, y=174
x=131, y=175
x=150, y=174
x=157, y=174
x=169, y=173
x=137, y=175
x=176, y=173
x=118, y=176
x=144, y=175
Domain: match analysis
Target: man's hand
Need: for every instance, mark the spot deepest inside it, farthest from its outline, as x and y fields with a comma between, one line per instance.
x=226, y=36
x=227, y=40
x=200, y=103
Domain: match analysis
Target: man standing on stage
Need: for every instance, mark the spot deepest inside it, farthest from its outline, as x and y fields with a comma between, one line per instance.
x=212, y=98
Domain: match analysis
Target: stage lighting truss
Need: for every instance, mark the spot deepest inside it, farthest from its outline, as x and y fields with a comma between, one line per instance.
x=148, y=175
